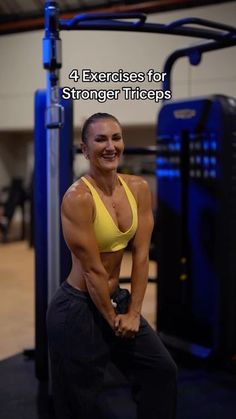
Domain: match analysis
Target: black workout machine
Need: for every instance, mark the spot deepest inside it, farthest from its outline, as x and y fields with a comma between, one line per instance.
x=54, y=174
x=196, y=226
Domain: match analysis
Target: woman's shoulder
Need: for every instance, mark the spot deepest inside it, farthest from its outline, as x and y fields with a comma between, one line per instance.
x=77, y=193
x=136, y=183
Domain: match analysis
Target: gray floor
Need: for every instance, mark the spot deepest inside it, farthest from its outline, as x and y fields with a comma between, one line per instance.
x=203, y=392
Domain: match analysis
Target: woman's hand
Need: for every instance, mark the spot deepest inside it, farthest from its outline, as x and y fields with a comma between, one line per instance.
x=127, y=325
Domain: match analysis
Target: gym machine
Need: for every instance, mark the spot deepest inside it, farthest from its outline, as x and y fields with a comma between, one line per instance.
x=196, y=191
x=196, y=228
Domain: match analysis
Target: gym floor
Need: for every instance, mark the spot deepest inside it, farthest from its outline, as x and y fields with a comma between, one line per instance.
x=205, y=392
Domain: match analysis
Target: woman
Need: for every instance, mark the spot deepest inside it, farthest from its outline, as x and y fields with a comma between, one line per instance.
x=94, y=327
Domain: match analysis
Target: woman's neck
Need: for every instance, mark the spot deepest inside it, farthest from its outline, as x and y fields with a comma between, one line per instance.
x=106, y=181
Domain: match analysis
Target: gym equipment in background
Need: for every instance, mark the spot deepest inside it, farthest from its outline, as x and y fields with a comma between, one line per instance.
x=196, y=228
x=15, y=197
x=41, y=222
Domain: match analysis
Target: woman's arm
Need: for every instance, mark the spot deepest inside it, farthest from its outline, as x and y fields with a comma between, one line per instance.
x=77, y=223
x=140, y=248
x=128, y=324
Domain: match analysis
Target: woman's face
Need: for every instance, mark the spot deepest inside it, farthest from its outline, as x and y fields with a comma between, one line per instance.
x=104, y=144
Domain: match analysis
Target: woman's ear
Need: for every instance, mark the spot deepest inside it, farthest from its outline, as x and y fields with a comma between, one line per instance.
x=84, y=149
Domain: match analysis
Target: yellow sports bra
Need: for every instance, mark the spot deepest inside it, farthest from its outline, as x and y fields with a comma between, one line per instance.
x=109, y=237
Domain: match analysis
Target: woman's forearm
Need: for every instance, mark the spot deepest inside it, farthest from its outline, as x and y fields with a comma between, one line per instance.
x=139, y=280
x=97, y=284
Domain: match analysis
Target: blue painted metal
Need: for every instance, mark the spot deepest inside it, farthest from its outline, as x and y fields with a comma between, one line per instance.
x=41, y=217
x=196, y=222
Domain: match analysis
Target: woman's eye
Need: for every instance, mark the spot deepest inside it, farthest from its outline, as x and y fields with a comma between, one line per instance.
x=100, y=139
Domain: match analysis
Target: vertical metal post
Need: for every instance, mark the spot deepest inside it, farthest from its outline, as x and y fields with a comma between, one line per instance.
x=54, y=121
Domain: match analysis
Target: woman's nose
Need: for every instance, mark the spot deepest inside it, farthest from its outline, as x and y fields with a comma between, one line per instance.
x=110, y=145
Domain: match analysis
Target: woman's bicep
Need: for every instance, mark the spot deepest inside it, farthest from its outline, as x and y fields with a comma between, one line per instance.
x=145, y=218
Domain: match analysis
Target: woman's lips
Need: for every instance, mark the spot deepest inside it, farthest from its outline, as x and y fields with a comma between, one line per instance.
x=109, y=156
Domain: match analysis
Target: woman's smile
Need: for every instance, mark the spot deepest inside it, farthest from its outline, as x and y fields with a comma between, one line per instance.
x=109, y=156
